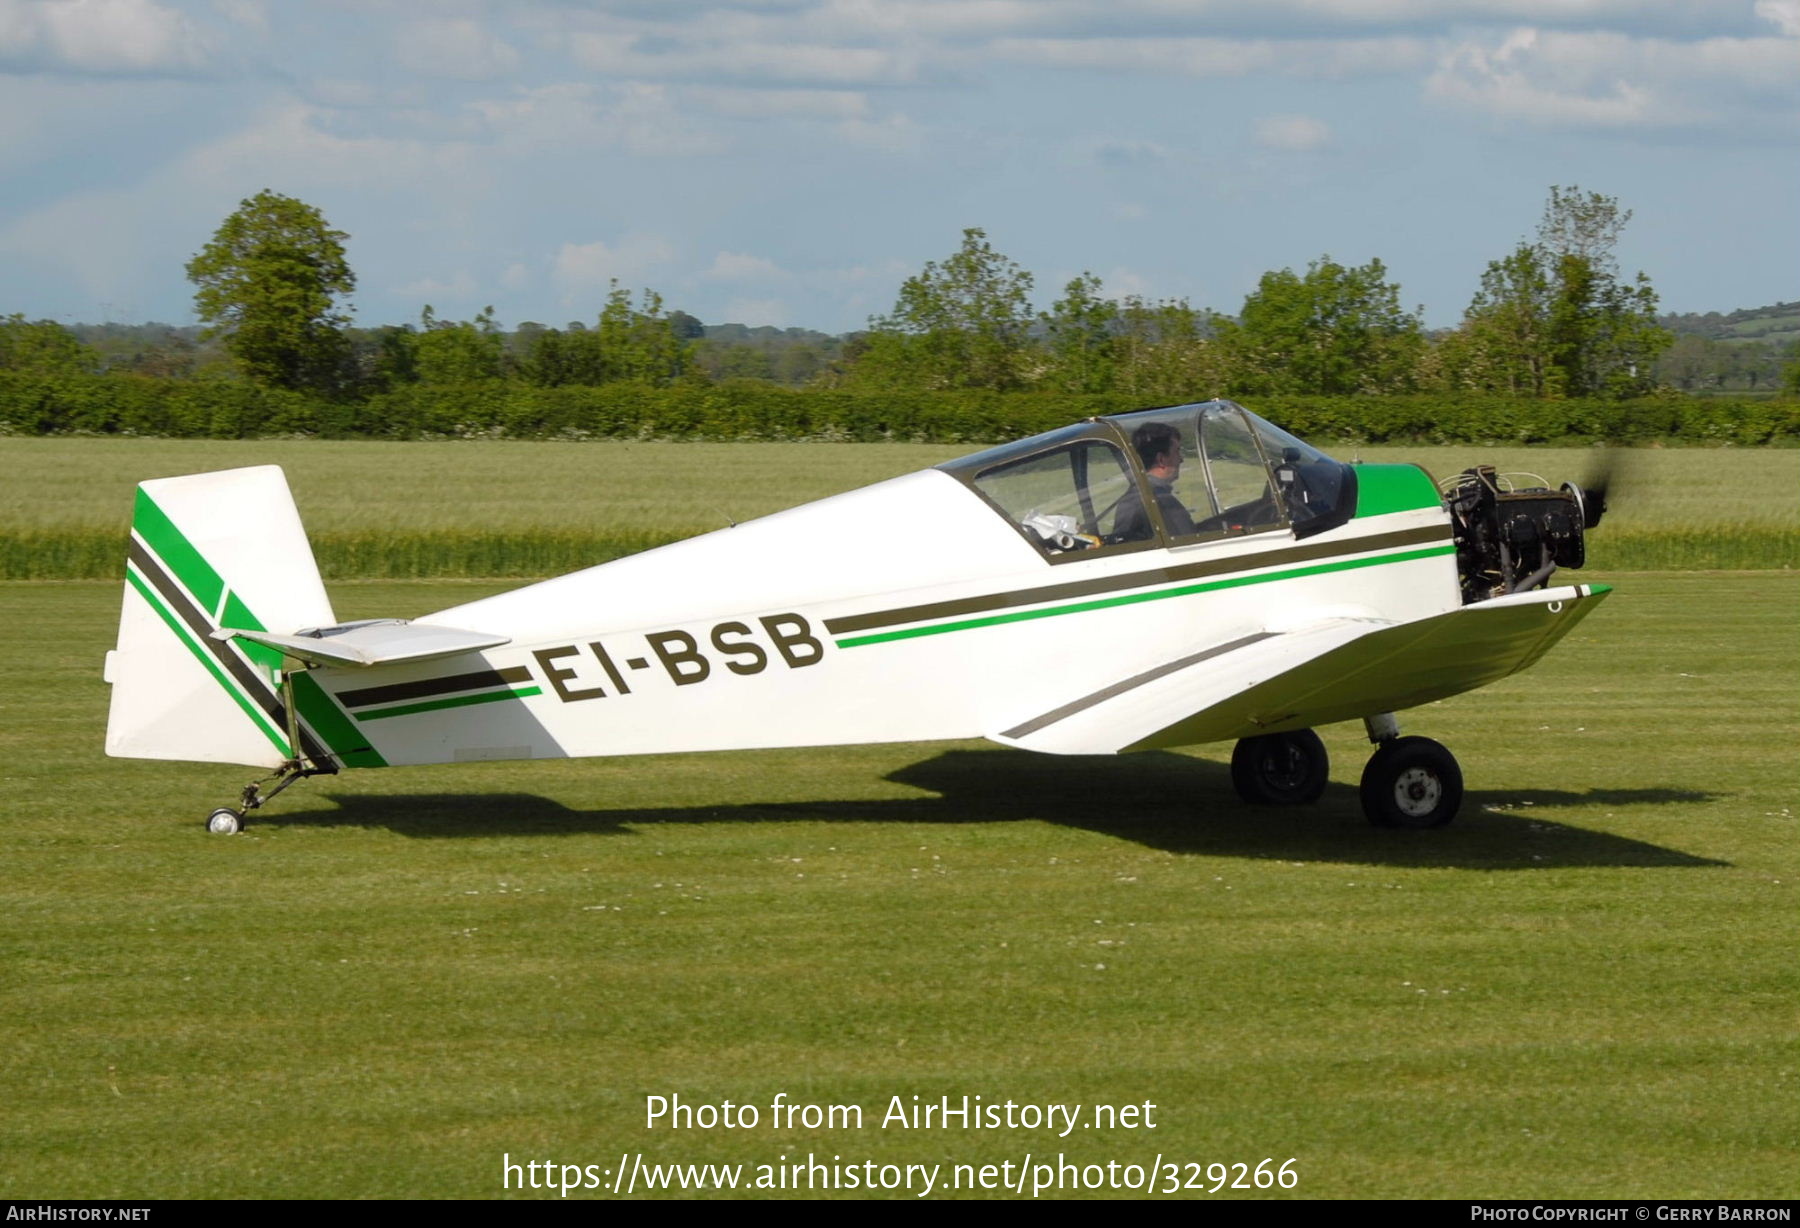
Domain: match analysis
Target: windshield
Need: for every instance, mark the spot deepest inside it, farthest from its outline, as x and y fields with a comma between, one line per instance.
x=1319, y=491
x=1237, y=474
x=1205, y=469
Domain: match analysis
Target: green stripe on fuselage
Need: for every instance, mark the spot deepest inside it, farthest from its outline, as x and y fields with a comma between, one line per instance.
x=1082, y=607
x=321, y=712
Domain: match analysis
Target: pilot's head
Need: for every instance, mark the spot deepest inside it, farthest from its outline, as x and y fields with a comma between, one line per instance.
x=1158, y=445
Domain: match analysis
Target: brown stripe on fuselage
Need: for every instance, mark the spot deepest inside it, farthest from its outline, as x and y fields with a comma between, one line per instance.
x=1136, y=579
x=1131, y=684
x=434, y=686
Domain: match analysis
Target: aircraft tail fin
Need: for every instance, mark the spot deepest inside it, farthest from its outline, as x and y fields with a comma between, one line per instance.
x=211, y=550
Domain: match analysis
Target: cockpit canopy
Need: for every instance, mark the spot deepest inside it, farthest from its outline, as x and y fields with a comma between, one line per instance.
x=1189, y=473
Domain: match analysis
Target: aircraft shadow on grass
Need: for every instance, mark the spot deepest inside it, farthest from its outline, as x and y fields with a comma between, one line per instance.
x=1164, y=801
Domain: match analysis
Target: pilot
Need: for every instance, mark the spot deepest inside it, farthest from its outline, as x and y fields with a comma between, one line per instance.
x=1158, y=445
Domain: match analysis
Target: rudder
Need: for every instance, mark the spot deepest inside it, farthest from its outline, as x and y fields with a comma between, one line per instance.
x=210, y=550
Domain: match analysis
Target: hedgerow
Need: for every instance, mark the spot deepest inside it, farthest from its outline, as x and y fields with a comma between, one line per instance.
x=116, y=404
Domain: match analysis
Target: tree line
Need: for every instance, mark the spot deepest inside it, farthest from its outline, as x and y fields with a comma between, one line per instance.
x=1555, y=318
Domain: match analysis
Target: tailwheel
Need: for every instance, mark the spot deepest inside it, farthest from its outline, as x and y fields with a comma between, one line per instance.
x=1411, y=782
x=224, y=822
x=1280, y=769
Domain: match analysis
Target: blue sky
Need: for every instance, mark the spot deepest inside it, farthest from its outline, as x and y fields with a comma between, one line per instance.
x=789, y=162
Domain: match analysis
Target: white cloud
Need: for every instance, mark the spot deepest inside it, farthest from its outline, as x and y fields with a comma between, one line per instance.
x=101, y=37
x=1120, y=283
x=81, y=238
x=943, y=35
x=629, y=55
x=584, y=270
x=459, y=288
x=458, y=48
x=290, y=144
x=1514, y=80
x=637, y=117
x=516, y=277
x=892, y=134
x=343, y=92
x=1120, y=154
x=106, y=239
x=948, y=19
x=1292, y=133
x=1605, y=80
x=757, y=312
x=737, y=266
x=1783, y=14
x=251, y=14
x=781, y=103
x=1223, y=57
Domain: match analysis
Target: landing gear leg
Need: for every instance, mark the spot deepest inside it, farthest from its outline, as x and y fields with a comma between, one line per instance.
x=1409, y=782
x=1280, y=769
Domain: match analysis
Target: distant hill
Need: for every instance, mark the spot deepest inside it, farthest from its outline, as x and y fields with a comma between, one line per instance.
x=1778, y=324
x=765, y=335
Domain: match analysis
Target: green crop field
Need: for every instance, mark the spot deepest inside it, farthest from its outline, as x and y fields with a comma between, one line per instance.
x=1585, y=987
x=531, y=509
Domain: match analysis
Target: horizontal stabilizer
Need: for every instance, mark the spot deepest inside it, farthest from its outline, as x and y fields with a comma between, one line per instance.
x=379, y=641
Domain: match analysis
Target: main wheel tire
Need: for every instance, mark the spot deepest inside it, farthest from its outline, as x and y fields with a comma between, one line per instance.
x=224, y=822
x=1280, y=769
x=1411, y=782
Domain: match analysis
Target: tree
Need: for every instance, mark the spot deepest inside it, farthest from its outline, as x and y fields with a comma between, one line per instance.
x=1080, y=331
x=1503, y=343
x=384, y=357
x=1165, y=351
x=736, y=361
x=686, y=327
x=1334, y=330
x=642, y=343
x=1154, y=349
x=964, y=323
x=458, y=351
x=627, y=343
x=272, y=283
x=43, y=347
x=1555, y=318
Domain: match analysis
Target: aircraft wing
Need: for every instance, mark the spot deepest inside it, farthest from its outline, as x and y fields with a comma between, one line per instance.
x=1333, y=670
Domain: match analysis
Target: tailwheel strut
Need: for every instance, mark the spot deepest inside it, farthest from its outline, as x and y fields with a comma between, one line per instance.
x=227, y=820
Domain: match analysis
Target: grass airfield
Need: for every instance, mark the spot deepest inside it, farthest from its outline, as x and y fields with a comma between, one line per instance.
x=1585, y=987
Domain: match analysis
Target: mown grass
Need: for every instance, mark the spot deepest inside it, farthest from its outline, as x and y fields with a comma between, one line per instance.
x=403, y=510
x=1584, y=988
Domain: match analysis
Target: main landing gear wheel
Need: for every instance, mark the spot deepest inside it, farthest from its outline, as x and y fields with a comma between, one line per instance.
x=1280, y=769
x=224, y=822
x=1411, y=782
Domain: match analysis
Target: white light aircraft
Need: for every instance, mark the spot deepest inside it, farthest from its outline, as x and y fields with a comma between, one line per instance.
x=1156, y=579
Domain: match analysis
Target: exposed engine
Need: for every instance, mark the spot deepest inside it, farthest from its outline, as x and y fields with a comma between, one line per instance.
x=1511, y=538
